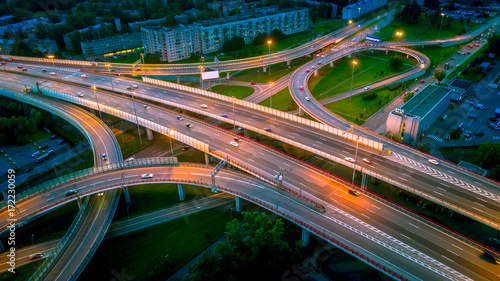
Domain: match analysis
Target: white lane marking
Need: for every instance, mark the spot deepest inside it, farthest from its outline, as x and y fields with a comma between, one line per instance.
x=115, y=179
x=375, y=206
x=196, y=174
x=452, y=252
x=98, y=182
x=413, y=225
x=457, y=247
x=405, y=236
x=438, y=193
x=365, y=215
x=481, y=199
x=130, y=176
x=447, y=258
x=478, y=209
x=369, y=211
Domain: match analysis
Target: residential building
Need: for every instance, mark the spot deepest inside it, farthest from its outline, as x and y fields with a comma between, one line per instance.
x=24, y=26
x=209, y=36
x=4, y=20
x=412, y=119
x=43, y=45
x=356, y=10
x=111, y=46
x=136, y=26
x=96, y=32
x=334, y=7
x=6, y=46
x=460, y=86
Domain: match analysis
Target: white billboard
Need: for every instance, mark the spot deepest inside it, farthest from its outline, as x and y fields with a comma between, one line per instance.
x=207, y=75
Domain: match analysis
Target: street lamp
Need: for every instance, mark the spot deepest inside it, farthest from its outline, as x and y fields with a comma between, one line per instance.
x=359, y=12
x=355, y=157
x=201, y=67
x=352, y=78
x=93, y=87
x=170, y=135
x=109, y=72
x=442, y=17
x=271, y=98
x=136, y=118
x=142, y=56
x=269, y=42
x=350, y=21
x=234, y=116
x=52, y=58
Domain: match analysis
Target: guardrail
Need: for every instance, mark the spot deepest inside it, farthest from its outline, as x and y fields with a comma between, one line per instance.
x=316, y=125
x=42, y=270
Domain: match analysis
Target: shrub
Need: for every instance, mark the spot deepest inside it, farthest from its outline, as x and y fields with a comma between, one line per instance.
x=369, y=96
x=394, y=87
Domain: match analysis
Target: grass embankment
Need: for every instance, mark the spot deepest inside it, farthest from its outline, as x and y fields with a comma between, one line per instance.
x=424, y=30
x=23, y=273
x=240, y=92
x=438, y=55
x=282, y=101
x=332, y=81
x=279, y=70
x=457, y=154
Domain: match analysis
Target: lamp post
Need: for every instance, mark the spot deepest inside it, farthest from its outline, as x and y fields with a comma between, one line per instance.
x=271, y=97
x=352, y=78
x=170, y=135
x=355, y=157
x=136, y=119
x=442, y=17
x=359, y=12
x=142, y=56
x=111, y=78
x=96, y=101
x=269, y=42
x=52, y=58
x=234, y=116
x=201, y=67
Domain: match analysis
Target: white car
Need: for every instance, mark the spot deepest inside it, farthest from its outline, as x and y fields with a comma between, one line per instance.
x=135, y=86
x=367, y=88
x=79, y=94
x=83, y=76
x=307, y=98
x=233, y=143
x=433, y=162
x=350, y=159
x=204, y=106
x=52, y=73
x=146, y=176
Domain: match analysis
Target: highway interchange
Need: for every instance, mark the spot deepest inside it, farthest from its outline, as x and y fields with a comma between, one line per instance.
x=318, y=185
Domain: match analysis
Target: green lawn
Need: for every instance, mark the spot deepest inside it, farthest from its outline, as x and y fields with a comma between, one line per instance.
x=326, y=26
x=351, y=109
x=282, y=101
x=277, y=71
x=132, y=144
x=455, y=154
x=22, y=272
x=240, y=92
x=472, y=76
x=142, y=253
x=423, y=30
x=438, y=55
x=332, y=81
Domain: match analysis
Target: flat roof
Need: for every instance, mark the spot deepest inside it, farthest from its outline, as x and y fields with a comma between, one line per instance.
x=459, y=83
x=425, y=100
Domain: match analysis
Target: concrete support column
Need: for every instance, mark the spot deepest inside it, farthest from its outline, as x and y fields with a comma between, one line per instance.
x=182, y=194
x=228, y=75
x=79, y=201
x=150, y=134
x=315, y=73
x=331, y=64
x=305, y=237
x=207, y=159
x=178, y=79
x=386, y=52
x=127, y=195
x=309, y=55
x=407, y=56
x=288, y=62
x=238, y=204
x=264, y=68
x=301, y=112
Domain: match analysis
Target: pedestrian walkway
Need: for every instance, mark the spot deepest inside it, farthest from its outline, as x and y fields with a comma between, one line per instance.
x=434, y=137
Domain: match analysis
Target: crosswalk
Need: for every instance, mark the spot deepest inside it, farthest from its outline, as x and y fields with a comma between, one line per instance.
x=435, y=137
x=469, y=139
x=437, y=174
x=496, y=137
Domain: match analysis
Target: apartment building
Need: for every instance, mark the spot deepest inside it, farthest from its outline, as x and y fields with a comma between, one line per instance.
x=356, y=10
x=111, y=46
x=209, y=36
x=96, y=31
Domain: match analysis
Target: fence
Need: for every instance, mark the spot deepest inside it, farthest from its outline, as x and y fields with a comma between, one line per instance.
x=42, y=270
x=267, y=110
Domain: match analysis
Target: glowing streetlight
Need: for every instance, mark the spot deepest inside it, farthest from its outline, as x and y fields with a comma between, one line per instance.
x=111, y=78
x=143, y=66
x=350, y=21
x=442, y=17
x=136, y=118
x=93, y=87
x=399, y=33
x=271, y=98
x=354, y=63
x=52, y=58
x=201, y=67
x=170, y=136
x=269, y=42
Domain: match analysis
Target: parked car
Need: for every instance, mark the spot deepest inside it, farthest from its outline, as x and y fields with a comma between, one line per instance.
x=43, y=146
x=473, y=116
x=479, y=134
x=479, y=106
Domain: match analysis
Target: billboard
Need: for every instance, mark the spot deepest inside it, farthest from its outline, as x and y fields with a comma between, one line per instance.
x=207, y=75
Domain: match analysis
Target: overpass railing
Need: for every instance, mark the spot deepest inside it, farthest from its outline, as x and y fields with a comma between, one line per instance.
x=278, y=113
x=42, y=270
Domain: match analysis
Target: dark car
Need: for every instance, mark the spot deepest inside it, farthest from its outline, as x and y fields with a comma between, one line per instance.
x=494, y=119
x=353, y=192
x=60, y=142
x=491, y=258
x=479, y=134
x=50, y=152
x=238, y=139
x=35, y=256
x=268, y=129
x=187, y=147
x=43, y=146
x=29, y=169
x=70, y=192
x=53, y=137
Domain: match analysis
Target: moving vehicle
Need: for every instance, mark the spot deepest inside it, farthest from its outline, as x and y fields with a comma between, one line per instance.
x=307, y=98
x=53, y=137
x=43, y=146
x=366, y=160
x=20, y=66
x=301, y=88
x=146, y=176
x=353, y=192
x=187, y=147
x=238, y=139
x=491, y=257
x=204, y=106
x=233, y=143
x=36, y=153
x=35, y=256
x=473, y=116
x=350, y=159
x=44, y=70
x=70, y=192
x=104, y=156
x=83, y=76
x=147, y=107
x=6, y=58
x=100, y=194
x=180, y=118
x=129, y=88
x=479, y=106
x=79, y=94
x=479, y=134
x=268, y=129
x=373, y=38
x=253, y=83
x=189, y=125
x=60, y=142
x=367, y=88
x=224, y=115
x=135, y=86
x=53, y=73
x=25, y=69
x=433, y=162
x=307, y=71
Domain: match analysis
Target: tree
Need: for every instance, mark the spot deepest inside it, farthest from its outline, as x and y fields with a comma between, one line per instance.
x=253, y=249
x=489, y=155
x=439, y=75
x=396, y=62
x=408, y=96
x=260, y=39
x=233, y=44
x=455, y=134
x=494, y=44
x=277, y=35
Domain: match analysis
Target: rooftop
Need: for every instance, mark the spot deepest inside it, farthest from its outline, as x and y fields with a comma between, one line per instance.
x=460, y=83
x=424, y=101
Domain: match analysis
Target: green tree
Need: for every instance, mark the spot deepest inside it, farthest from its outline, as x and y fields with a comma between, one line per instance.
x=455, y=134
x=439, y=75
x=233, y=44
x=494, y=44
x=253, y=249
x=277, y=35
x=489, y=155
x=408, y=96
x=396, y=62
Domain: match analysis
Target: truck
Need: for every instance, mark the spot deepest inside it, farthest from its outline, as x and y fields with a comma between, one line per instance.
x=6, y=58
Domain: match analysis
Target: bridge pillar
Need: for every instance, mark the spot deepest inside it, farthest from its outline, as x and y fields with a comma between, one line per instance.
x=79, y=201
x=228, y=75
x=301, y=112
x=207, y=159
x=127, y=195
x=149, y=134
x=331, y=64
x=264, y=68
x=315, y=73
x=305, y=237
x=288, y=62
x=386, y=52
x=238, y=204
x=178, y=79
x=407, y=56
x=182, y=194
